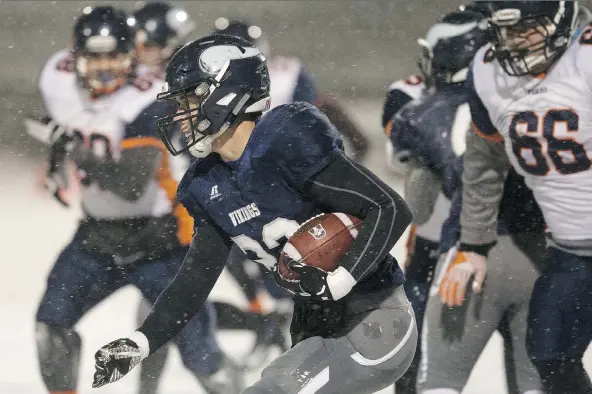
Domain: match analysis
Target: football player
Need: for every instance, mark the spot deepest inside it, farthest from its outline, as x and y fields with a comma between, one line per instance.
x=529, y=97
x=435, y=125
x=353, y=329
x=133, y=231
x=290, y=82
x=160, y=29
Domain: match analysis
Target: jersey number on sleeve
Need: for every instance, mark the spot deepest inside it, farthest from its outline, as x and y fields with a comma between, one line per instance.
x=566, y=155
x=272, y=233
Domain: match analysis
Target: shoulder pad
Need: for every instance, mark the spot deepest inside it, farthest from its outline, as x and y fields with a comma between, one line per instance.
x=411, y=86
x=139, y=94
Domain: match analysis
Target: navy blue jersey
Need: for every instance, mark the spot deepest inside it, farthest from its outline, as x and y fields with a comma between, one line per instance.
x=432, y=129
x=258, y=199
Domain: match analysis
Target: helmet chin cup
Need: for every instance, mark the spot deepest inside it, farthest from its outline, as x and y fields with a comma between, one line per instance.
x=204, y=147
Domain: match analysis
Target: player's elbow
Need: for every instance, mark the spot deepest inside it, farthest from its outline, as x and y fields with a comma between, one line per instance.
x=393, y=209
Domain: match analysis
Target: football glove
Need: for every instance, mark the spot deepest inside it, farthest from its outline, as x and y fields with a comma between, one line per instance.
x=460, y=268
x=115, y=360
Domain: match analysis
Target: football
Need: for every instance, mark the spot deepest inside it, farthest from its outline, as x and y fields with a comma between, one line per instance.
x=321, y=241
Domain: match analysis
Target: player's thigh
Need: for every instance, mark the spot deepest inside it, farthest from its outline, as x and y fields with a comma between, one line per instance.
x=371, y=357
x=452, y=338
x=527, y=377
x=153, y=276
x=517, y=283
x=560, y=315
x=76, y=283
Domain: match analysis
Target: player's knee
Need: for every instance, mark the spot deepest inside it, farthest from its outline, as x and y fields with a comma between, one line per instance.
x=56, y=312
x=59, y=356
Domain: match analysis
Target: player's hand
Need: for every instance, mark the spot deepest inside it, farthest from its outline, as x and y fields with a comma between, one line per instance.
x=313, y=280
x=463, y=267
x=114, y=360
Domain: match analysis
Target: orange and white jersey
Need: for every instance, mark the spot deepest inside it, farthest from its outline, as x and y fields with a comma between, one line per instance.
x=546, y=125
x=108, y=126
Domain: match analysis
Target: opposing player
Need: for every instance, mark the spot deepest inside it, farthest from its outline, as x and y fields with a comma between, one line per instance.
x=353, y=329
x=133, y=230
x=432, y=131
x=531, y=90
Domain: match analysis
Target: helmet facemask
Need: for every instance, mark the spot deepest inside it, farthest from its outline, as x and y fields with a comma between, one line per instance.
x=104, y=73
x=151, y=54
x=196, y=116
x=526, y=46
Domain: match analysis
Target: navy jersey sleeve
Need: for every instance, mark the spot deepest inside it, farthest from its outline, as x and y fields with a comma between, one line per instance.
x=479, y=115
x=186, y=294
x=395, y=100
x=306, y=89
x=428, y=145
x=304, y=141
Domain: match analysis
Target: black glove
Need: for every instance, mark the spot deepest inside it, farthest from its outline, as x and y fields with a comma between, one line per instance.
x=293, y=286
x=312, y=280
x=115, y=360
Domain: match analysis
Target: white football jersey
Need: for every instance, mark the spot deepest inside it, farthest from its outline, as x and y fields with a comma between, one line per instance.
x=546, y=125
x=102, y=124
x=413, y=86
x=283, y=74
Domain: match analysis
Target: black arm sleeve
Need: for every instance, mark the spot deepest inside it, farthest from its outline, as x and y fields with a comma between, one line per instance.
x=189, y=289
x=344, y=186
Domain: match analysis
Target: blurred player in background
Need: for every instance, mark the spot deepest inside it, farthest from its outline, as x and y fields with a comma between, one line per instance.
x=133, y=231
x=431, y=130
x=256, y=178
x=160, y=29
x=530, y=96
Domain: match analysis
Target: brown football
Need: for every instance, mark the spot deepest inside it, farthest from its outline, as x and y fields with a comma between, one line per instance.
x=321, y=241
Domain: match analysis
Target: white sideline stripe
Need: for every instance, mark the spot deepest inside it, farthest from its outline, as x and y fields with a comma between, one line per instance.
x=347, y=223
x=316, y=383
x=367, y=362
x=292, y=252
